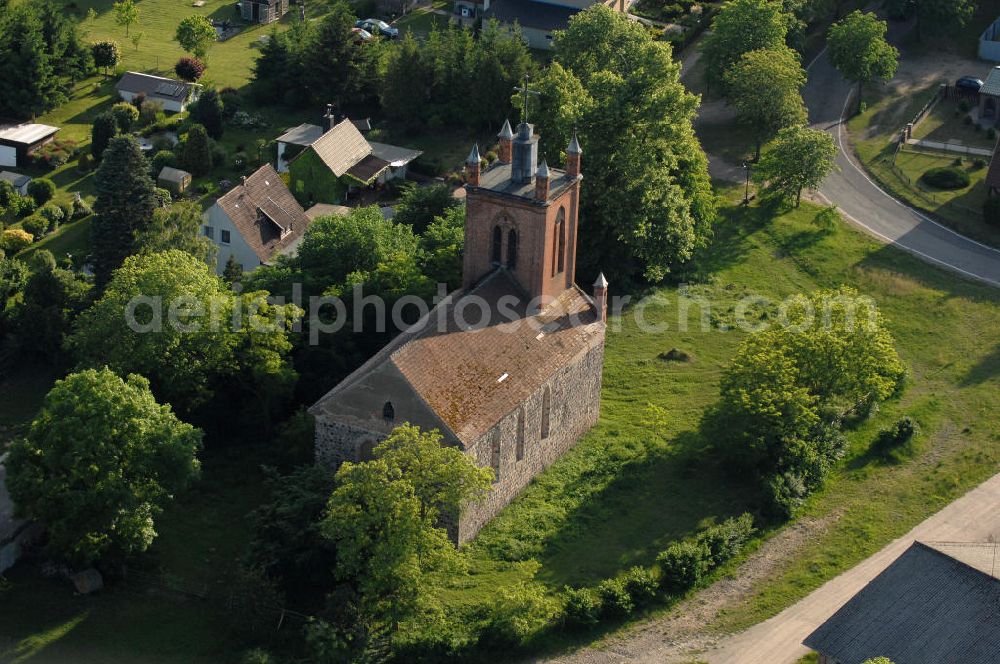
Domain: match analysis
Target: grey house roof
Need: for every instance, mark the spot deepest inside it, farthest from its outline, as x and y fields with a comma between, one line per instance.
x=925, y=608
x=16, y=179
x=25, y=133
x=531, y=14
x=154, y=87
x=991, y=86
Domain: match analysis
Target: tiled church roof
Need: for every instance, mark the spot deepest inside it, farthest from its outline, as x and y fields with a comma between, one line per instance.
x=471, y=378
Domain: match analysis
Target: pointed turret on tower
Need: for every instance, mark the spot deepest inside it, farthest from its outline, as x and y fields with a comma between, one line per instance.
x=573, y=154
x=506, y=136
x=601, y=297
x=473, y=166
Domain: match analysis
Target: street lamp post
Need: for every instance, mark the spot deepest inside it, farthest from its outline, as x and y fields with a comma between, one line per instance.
x=747, y=164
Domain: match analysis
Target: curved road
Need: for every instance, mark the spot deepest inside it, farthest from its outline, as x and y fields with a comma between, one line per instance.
x=826, y=95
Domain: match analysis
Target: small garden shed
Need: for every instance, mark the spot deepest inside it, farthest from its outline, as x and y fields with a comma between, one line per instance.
x=173, y=180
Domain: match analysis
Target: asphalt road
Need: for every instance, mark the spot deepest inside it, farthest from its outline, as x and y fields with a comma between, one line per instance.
x=860, y=200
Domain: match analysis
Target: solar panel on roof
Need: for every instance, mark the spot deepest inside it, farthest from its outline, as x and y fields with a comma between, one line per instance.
x=169, y=89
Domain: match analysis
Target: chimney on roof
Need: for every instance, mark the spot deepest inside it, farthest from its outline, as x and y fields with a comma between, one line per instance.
x=573, y=154
x=330, y=119
x=506, y=135
x=473, y=166
x=601, y=297
x=542, y=182
x=525, y=154
x=243, y=180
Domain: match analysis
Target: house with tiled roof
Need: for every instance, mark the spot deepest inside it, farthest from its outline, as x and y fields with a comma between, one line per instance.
x=256, y=221
x=328, y=161
x=538, y=20
x=936, y=603
x=508, y=367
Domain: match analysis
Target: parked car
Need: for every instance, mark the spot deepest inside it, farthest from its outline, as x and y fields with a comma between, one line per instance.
x=377, y=27
x=968, y=84
x=361, y=36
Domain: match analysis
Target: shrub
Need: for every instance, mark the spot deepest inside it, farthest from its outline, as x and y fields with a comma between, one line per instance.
x=991, y=211
x=189, y=69
x=20, y=206
x=726, y=539
x=126, y=116
x=615, y=600
x=890, y=441
x=41, y=190
x=641, y=585
x=148, y=112
x=36, y=225
x=963, y=105
x=581, y=607
x=81, y=209
x=161, y=159
x=53, y=216
x=978, y=163
x=54, y=153
x=14, y=240
x=85, y=163
x=945, y=177
x=516, y=613
x=682, y=565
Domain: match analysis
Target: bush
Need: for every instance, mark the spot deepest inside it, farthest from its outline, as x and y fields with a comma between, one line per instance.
x=148, y=112
x=53, y=216
x=41, y=190
x=891, y=442
x=36, y=225
x=14, y=240
x=189, y=69
x=682, y=565
x=641, y=585
x=161, y=159
x=946, y=177
x=963, y=105
x=85, y=163
x=516, y=613
x=126, y=116
x=81, y=209
x=54, y=153
x=581, y=607
x=615, y=600
x=978, y=163
x=991, y=211
x=726, y=539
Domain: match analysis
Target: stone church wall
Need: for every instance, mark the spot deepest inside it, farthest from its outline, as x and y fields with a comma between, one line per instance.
x=337, y=443
x=574, y=406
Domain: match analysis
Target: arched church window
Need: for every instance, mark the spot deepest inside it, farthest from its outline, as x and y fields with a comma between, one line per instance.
x=520, y=434
x=365, y=453
x=388, y=411
x=546, y=407
x=497, y=246
x=511, y=249
x=559, y=243
x=495, y=462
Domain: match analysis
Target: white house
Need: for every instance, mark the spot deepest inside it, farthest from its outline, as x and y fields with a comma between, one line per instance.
x=19, y=140
x=256, y=221
x=173, y=95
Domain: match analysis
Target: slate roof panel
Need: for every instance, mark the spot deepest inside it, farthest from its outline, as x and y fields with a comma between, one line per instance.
x=342, y=147
x=925, y=608
x=991, y=86
x=531, y=14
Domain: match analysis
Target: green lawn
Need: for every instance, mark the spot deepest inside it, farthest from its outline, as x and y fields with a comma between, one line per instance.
x=873, y=133
x=945, y=124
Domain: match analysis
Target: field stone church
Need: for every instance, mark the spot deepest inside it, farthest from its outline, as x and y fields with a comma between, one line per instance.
x=508, y=368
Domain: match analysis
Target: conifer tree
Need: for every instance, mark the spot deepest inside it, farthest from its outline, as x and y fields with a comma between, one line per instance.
x=208, y=112
x=124, y=206
x=105, y=128
x=196, y=152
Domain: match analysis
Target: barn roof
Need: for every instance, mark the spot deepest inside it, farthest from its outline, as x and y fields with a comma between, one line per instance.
x=25, y=133
x=472, y=373
x=927, y=607
x=154, y=87
x=265, y=213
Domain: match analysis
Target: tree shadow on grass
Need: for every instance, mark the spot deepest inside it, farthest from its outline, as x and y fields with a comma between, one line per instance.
x=665, y=496
x=988, y=368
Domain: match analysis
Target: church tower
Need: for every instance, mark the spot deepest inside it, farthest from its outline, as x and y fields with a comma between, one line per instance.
x=522, y=216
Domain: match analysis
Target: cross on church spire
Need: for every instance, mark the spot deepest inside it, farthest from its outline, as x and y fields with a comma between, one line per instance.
x=526, y=91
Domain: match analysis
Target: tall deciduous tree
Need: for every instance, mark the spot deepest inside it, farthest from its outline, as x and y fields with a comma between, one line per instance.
x=126, y=13
x=178, y=227
x=202, y=351
x=196, y=35
x=99, y=462
x=742, y=26
x=784, y=391
x=798, y=158
x=647, y=204
x=383, y=518
x=763, y=86
x=124, y=206
x=859, y=50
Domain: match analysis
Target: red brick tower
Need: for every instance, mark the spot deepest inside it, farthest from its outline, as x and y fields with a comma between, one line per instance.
x=523, y=219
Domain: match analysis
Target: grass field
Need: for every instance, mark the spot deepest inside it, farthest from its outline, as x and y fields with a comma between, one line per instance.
x=944, y=123
x=642, y=477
